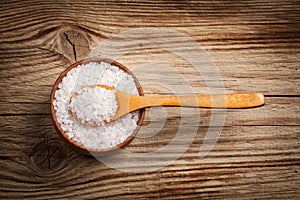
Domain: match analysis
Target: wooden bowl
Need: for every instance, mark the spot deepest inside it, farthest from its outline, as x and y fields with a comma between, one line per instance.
x=79, y=147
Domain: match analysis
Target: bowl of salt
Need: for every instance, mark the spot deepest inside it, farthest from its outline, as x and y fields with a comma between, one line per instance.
x=94, y=139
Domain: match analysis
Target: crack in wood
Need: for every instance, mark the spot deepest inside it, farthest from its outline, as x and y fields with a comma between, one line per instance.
x=73, y=46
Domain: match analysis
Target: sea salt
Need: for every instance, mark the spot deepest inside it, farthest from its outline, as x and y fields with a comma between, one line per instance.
x=95, y=105
x=95, y=137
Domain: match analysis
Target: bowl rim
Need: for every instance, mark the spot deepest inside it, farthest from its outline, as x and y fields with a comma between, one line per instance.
x=80, y=147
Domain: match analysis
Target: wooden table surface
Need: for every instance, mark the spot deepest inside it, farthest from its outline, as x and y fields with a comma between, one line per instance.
x=255, y=46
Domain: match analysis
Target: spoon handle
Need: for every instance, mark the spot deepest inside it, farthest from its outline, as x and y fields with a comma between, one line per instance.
x=238, y=100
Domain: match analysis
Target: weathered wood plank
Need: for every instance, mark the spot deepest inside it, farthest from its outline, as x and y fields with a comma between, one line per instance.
x=31, y=80
x=259, y=161
x=242, y=137
x=277, y=111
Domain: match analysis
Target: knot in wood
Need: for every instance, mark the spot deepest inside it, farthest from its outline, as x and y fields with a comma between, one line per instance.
x=48, y=156
x=74, y=45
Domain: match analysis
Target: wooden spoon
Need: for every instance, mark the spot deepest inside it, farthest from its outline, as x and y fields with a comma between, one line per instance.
x=128, y=103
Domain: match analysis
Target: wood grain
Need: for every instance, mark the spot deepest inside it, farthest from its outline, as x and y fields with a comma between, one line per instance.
x=256, y=48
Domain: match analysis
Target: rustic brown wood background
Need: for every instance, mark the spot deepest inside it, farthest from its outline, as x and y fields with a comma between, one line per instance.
x=256, y=47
